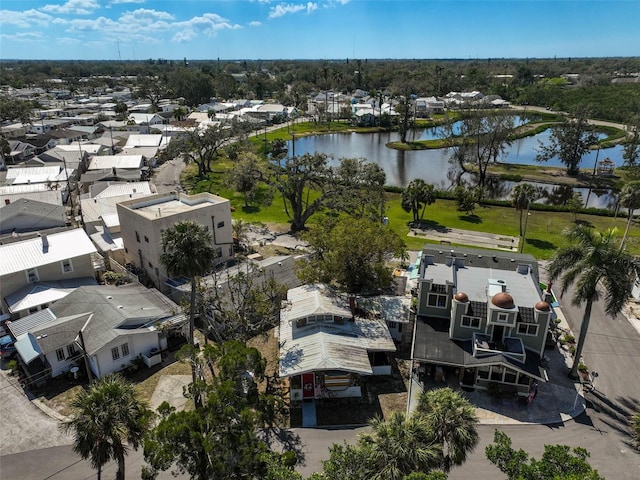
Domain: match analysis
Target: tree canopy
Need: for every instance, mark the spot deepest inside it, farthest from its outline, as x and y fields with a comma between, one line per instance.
x=569, y=141
x=219, y=439
x=558, y=462
x=351, y=253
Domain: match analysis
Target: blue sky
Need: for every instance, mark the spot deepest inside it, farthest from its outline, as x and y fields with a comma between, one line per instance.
x=320, y=29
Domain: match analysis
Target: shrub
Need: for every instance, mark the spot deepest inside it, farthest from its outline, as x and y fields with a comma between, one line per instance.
x=572, y=349
x=494, y=389
x=582, y=367
x=12, y=365
x=568, y=338
x=634, y=423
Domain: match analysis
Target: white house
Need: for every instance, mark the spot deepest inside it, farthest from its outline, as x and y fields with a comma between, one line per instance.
x=110, y=326
x=325, y=348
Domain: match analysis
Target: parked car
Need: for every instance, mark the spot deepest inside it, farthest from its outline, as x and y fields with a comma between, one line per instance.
x=7, y=347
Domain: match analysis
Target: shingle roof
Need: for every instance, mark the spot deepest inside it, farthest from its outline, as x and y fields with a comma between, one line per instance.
x=126, y=307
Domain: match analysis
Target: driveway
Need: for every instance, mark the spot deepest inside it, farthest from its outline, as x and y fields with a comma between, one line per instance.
x=24, y=426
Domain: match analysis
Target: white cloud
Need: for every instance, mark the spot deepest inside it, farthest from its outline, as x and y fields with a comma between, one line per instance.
x=25, y=19
x=208, y=24
x=115, y=2
x=67, y=40
x=22, y=37
x=255, y=23
x=75, y=7
x=285, y=8
x=144, y=15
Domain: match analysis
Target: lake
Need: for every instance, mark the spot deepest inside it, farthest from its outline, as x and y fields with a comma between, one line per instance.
x=401, y=166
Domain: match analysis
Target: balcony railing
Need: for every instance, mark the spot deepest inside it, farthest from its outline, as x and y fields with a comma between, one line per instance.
x=509, y=346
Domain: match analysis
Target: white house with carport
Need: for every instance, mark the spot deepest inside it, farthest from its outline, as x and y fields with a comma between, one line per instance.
x=111, y=325
x=325, y=348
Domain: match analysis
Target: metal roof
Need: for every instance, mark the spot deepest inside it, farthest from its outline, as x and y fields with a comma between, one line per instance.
x=20, y=256
x=150, y=140
x=39, y=293
x=327, y=345
x=102, y=162
x=25, y=324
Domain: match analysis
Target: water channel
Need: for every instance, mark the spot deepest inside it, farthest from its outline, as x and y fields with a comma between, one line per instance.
x=433, y=166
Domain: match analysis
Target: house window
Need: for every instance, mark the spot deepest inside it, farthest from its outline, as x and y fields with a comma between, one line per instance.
x=393, y=325
x=115, y=353
x=436, y=300
x=502, y=318
x=218, y=252
x=125, y=349
x=71, y=350
x=67, y=266
x=311, y=319
x=32, y=275
x=60, y=354
x=137, y=237
x=530, y=329
x=470, y=322
x=510, y=377
x=220, y=224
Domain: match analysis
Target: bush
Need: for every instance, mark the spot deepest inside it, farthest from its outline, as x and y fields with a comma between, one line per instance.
x=634, y=423
x=12, y=365
x=568, y=338
x=494, y=389
x=582, y=367
x=572, y=349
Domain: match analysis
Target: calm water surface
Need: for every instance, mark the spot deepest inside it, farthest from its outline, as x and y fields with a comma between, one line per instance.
x=433, y=165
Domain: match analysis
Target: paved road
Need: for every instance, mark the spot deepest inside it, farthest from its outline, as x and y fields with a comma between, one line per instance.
x=24, y=426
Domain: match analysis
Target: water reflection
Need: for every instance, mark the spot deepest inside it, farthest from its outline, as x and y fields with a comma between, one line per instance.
x=402, y=166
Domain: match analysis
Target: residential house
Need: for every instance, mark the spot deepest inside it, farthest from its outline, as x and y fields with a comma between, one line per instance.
x=143, y=220
x=325, y=348
x=29, y=264
x=482, y=319
x=15, y=130
x=100, y=216
x=426, y=106
x=53, y=197
x=20, y=151
x=108, y=326
x=145, y=121
x=26, y=215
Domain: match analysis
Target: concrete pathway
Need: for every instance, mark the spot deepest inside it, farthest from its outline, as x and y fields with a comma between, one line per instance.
x=169, y=389
x=309, y=419
x=448, y=236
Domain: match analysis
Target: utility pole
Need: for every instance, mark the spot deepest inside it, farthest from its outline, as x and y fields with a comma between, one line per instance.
x=86, y=357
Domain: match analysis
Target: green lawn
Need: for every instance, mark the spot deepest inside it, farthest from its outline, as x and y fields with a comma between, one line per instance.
x=544, y=229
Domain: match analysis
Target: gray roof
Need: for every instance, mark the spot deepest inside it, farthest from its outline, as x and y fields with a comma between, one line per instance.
x=127, y=307
x=60, y=332
x=40, y=212
x=327, y=345
x=432, y=344
x=477, y=257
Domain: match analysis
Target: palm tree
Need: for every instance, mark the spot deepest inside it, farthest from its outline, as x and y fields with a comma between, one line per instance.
x=521, y=197
x=399, y=446
x=108, y=420
x=629, y=199
x=593, y=259
x=452, y=421
x=416, y=197
x=187, y=251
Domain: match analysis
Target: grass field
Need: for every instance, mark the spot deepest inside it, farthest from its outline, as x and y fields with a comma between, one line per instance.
x=543, y=236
